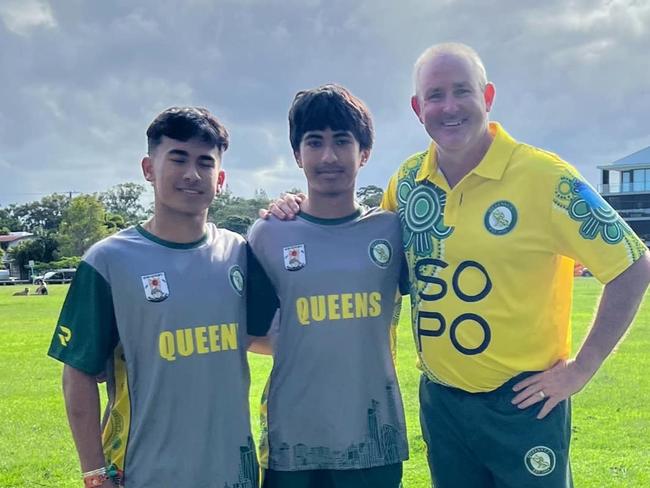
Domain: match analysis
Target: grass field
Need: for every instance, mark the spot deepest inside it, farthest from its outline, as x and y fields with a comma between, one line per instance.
x=611, y=433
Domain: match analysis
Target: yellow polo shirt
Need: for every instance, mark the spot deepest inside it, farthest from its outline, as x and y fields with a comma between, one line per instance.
x=491, y=260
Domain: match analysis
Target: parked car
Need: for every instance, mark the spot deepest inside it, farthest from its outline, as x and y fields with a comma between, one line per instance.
x=6, y=278
x=56, y=276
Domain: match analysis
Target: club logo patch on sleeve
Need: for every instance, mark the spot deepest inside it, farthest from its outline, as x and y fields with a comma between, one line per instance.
x=155, y=287
x=500, y=218
x=236, y=279
x=540, y=461
x=380, y=252
x=294, y=257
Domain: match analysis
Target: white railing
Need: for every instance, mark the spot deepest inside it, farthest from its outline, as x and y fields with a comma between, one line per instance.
x=624, y=187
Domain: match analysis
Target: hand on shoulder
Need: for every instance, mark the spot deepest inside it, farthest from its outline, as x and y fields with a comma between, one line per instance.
x=284, y=208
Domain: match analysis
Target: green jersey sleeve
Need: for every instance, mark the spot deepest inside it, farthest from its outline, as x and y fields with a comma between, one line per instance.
x=404, y=280
x=86, y=332
x=261, y=298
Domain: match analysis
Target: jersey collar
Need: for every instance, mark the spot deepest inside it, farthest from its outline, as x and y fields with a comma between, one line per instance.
x=491, y=167
x=172, y=245
x=322, y=221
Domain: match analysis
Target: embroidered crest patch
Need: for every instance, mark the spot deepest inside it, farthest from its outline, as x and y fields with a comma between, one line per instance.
x=380, y=252
x=294, y=257
x=236, y=278
x=155, y=287
x=540, y=461
x=500, y=218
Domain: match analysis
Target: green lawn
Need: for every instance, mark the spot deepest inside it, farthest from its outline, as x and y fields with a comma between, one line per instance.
x=611, y=440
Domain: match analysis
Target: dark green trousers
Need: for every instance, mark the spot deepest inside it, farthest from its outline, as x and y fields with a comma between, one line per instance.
x=483, y=440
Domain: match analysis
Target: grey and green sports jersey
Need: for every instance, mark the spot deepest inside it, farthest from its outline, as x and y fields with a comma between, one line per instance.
x=333, y=401
x=167, y=323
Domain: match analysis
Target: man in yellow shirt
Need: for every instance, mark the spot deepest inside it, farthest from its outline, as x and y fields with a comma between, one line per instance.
x=491, y=228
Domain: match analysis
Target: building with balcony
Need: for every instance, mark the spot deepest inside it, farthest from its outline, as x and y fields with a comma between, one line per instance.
x=625, y=184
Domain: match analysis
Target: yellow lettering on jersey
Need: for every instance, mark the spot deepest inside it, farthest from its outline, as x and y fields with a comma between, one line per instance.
x=166, y=346
x=302, y=310
x=347, y=309
x=333, y=307
x=361, y=304
x=338, y=307
x=228, y=337
x=317, y=304
x=374, y=300
x=201, y=340
x=198, y=340
x=213, y=335
x=184, y=342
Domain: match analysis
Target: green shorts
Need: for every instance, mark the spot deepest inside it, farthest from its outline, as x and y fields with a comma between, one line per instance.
x=483, y=440
x=388, y=476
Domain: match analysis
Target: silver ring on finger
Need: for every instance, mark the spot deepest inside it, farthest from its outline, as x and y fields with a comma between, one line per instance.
x=542, y=394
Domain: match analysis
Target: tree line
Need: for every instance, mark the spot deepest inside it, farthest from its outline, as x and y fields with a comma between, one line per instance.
x=64, y=227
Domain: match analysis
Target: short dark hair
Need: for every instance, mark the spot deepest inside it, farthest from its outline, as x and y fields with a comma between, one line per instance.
x=185, y=123
x=329, y=106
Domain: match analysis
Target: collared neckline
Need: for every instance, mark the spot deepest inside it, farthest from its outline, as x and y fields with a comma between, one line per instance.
x=337, y=221
x=172, y=245
x=492, y=166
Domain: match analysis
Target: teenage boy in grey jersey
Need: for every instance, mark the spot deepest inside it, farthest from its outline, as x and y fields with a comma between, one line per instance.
x=334, y=411
x=159, y=308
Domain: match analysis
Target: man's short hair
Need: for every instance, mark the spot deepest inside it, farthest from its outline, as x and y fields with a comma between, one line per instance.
x=453, y=49
x=330, y=106
x=185, y=123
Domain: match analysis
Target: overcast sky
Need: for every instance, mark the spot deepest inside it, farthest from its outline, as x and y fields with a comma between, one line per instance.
x=81, y=80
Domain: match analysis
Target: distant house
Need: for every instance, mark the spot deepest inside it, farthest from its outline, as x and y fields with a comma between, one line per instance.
x=625, y=184
x=6, y=243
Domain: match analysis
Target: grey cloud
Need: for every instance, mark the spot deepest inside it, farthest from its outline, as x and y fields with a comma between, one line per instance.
x=82, y=80
x=22, y=17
